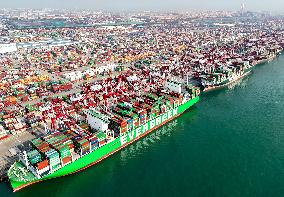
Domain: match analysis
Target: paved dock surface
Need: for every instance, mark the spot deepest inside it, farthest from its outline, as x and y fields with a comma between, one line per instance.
x=7, y=148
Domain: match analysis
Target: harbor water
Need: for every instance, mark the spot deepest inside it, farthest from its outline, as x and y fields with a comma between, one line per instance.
x=230, y=144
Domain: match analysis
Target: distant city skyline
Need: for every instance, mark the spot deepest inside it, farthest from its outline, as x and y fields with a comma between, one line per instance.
x=151, y=5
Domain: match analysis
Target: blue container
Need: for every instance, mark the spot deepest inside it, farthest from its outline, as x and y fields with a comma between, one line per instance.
x=85, y=152
x=95, y=145
x=94, y=142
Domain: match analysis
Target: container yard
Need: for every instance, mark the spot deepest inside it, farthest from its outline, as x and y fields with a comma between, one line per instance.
x=81, y=94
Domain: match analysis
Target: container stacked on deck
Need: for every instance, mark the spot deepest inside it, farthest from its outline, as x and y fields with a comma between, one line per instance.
x=129, y=124
x=84, y=126
x=102, y=138
x=132, y=114
x=65, y=155
x=135, y=119
x=148, y=109
x=62, y=144
x=156, y=104
x=149, y=100
x=163, y=106
x=34, y=157
x=142, y=116
x=54, y=159
x=78, y=131
x=83, y=130
x=43, y=167
x=118, y=125
x=94, y=142
x=40, y=145
x=178, y=97
x=82, y=146
x=129, y=115
x=169, y=103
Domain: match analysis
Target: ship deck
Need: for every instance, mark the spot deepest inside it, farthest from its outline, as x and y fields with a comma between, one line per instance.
x=18, y=172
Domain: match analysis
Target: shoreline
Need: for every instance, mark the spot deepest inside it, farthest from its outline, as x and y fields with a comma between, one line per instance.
x=3, y=178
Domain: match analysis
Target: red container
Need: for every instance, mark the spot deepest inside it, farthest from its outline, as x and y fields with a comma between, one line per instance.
x=124, y=127
x=42, y=165
x=7, y=116
x=25, y=98
x=67, y=86
x=71, y=145
x=176, y=100
x=142, y=113
x=123, y=124
x=7, y=103
x=102, y=143
x=123, y=130
x=86, y=144
x=4, y=137
x=93, y=138
x=66, y=160
x=43, y=145
x=55, y=88
x=44, y=149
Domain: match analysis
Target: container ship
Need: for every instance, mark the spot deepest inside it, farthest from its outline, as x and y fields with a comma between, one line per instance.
x=223, y=76
x=103, y=133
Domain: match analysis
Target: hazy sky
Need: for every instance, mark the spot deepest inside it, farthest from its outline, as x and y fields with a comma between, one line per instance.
x=255, y=5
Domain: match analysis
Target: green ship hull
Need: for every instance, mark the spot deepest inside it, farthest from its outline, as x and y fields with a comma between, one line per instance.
x=19, y=182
